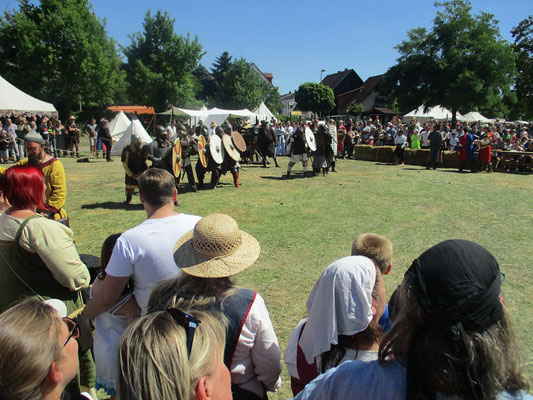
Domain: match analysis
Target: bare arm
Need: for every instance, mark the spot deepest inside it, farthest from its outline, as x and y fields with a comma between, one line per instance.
x=108, y=294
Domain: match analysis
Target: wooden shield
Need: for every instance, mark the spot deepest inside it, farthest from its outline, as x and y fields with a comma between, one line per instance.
x=176, y=158
x=238, y=141
x=201, y=151
x=216, y=149
x=230, y=148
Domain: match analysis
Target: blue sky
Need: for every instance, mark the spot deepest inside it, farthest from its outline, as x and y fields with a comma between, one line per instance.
x=296, y=39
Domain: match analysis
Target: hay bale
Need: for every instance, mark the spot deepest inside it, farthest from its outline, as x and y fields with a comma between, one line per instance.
x=416, y=156
x=363, y=152
x=450, y=159
x=384, y=153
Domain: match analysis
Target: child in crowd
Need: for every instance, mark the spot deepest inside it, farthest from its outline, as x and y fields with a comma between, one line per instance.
x=4, y=147
x=110, y=325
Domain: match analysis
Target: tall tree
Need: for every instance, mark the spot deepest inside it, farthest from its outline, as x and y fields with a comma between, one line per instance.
x=161, y=63
x=59, y=51
x=315, y=97
x=523, y=48
x=462, y=63
x=207, y=90
x=220, y=66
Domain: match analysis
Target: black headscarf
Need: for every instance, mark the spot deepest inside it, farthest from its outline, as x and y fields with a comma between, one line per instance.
x=457, y=283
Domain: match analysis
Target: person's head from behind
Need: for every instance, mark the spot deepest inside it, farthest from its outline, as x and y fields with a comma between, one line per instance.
x=451, y=330
x=349, y=297
x=376, y=247
x=172, y=355
x=106, y=252
x=38, y=351
x=157, y=188
x=23, y=186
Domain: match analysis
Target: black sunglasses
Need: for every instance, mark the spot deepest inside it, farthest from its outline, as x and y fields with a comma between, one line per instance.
x=188, y=322
x=73, y=329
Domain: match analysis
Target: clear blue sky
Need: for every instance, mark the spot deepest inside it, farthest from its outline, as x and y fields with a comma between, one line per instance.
x=296, y=39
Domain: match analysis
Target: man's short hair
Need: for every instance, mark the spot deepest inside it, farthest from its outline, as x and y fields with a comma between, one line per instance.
x=156, y=187
x=374, y=246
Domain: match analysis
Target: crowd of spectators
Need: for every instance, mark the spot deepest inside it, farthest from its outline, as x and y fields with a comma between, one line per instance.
x=60, y=140
x=171, y=324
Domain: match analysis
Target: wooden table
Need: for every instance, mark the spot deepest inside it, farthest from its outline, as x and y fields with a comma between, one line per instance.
x=511, y=158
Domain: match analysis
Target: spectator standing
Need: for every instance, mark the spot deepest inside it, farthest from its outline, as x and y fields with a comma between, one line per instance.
x=145, y=252
x=435, y=141
x=91, y=131
x=105, y=135
x=73, y=137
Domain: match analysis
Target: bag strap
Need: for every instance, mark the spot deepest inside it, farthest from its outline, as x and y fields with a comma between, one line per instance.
x=23, y=225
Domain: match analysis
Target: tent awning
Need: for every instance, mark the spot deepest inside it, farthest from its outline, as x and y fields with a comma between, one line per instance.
x=186, y=112
x=133, y=109
x=14, y=101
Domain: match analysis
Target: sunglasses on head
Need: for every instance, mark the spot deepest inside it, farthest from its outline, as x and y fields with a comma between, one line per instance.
x=73, y=329
x=187, y=321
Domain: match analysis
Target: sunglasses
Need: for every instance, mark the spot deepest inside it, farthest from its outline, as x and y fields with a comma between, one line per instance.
x=188, y=322
x=73, y=329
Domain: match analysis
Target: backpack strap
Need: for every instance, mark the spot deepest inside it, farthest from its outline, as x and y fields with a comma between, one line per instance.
x=23, y=225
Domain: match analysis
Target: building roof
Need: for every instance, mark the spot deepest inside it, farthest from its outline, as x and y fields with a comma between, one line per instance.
x=381, y=110
x=367, y=88
x=287, y=96
x=332, y=80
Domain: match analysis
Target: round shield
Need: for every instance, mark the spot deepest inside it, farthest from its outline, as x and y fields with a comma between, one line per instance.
x=216, y=149
x=230, y=148
x=310, y=139
x=176, y=158
x=238, y=141
x=201, y=151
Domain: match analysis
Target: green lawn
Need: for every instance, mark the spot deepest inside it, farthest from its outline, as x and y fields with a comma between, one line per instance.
x=305, y=224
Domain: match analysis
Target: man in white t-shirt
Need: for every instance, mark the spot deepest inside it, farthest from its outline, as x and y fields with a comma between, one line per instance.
x=145, y=253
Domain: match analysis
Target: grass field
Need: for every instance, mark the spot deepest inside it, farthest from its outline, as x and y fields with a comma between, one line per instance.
x=305, y=224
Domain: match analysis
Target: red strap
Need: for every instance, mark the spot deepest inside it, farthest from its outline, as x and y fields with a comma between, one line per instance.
x=242, y=324
x=307, y=372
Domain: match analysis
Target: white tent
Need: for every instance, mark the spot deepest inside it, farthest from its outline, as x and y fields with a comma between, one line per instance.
x=15, y=101
x=474, y=116
x=436, y=113
x=219, y=116
x=194, y=115
x=263, y=113
x=135, y=128
x=118, y=126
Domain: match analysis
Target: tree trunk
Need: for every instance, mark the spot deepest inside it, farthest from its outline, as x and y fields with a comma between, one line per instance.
x=454, y=117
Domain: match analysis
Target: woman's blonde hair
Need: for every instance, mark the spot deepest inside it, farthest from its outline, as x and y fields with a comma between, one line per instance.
x=29, y=345
x=153, y=358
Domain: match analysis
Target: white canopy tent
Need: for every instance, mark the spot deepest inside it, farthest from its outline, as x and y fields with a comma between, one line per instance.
x=437, y=113
x=263, y=113
x=194, y=115
x=474, y=116
x=219, y=116
x=15, y=101
x=119, y=125
x=135, y=128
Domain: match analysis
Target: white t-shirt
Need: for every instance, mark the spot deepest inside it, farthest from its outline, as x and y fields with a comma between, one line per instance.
x=147, y=253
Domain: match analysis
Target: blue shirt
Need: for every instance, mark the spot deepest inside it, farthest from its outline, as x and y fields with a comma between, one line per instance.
x=368, y=380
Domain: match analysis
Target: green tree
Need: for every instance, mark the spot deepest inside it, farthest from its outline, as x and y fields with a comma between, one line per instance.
x=356, y=109
x=207, y=84
x=271, y=97
x=161, y=63
x=220, y=66
x=523, y=48
x=462, y=63
x=240, y=87
x=59, y=51
x=315, y=97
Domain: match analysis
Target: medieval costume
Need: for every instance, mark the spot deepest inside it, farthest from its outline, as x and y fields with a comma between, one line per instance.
x=134, y=164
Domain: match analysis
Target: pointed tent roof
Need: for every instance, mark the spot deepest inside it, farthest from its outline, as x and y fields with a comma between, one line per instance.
x=263, y=113
x=15, y=101
x=437, y=113
x=135, y=128
x=474, y=116
x=118, y=126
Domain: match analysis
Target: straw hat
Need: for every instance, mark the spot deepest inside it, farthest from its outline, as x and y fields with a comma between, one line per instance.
x=213, y=124
x=216, y=248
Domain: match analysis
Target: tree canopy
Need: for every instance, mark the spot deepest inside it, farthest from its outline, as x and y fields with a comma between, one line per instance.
x=462, y=63
x=59, y=51
x=315, y=97
x=523, y=48
x=161, y=63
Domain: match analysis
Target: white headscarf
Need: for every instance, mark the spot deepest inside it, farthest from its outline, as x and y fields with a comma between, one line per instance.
x=339, y=304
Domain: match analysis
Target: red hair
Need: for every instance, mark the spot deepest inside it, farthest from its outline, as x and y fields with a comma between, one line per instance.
x=23, y=186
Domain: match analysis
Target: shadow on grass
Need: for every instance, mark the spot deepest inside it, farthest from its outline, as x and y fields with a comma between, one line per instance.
x=283, y=177
x=386, y=164
x=113, y=205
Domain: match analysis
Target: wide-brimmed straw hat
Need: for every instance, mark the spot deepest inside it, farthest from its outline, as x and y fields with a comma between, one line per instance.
x=216, y=248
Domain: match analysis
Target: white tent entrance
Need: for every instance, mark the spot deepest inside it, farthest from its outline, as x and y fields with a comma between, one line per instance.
x=118, y=126
x=437, y=113
x=135, y=128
